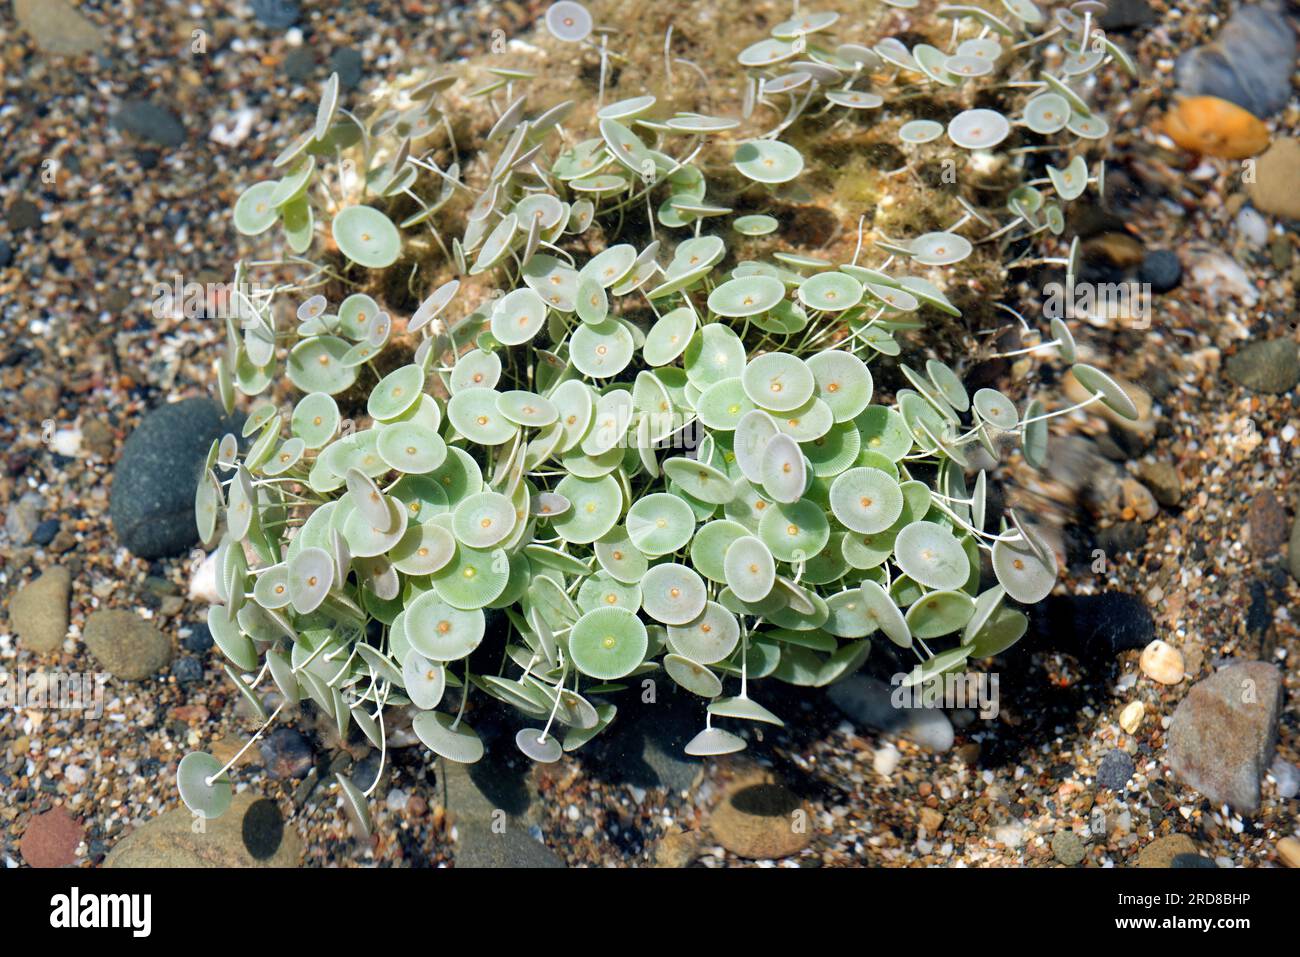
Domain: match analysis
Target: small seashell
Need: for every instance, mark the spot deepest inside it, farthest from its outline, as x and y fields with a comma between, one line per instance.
x=1215, y=127
x=1162, y=662
x=1131, y=717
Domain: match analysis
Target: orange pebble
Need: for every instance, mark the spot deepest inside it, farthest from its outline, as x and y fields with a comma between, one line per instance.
x=1215, y=127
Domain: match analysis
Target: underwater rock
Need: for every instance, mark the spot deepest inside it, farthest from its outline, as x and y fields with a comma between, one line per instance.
x=39, y=612
x=51, y=839
x=761, y=821
x=169, y=840
x=1067, y=848
x=152, y=502
x=1161, y=852
x=1271, y=365
x=57, y=27
x=1222, y=734
x=150, y=122
x=1161, y=269
x=1273, y=189
x=1249, y=63
x=126, y=645
x=1115, y=769
x=1268, y=523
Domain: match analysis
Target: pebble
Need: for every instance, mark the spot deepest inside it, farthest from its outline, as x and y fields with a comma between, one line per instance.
x=1191, y=861
x=1270, y=366
x=1162, y=662
x=1287, y=776
x=348, y=64
x=1139, y=500
x=57, y=27
x=761, y=821
x=1288, y=850
x=1115, y=770
x=677, y=848
x=199, y=639
x=1252, y=227
x=39, y=611
x=169, y=840
x=1249, y=63
x=1222, y=733
x=1162, y=851
x=885, y=759
x=188, y=670
x=931, y=729
x=152, y=503
x=23, y=517
x=45, y=532
x=150, y=122
x=125, y=645
x=51, y=839
x=1277, y=171
x=287, y=754
x=1164, y=482
x=1068, y=848
x=1161, y=269
x=1213, y=126
x=277, y=14
x=1268, y=523
x=1130, y=719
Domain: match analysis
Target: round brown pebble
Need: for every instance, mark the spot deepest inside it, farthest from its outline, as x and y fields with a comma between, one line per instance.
x=51, y=839
x=761, y=822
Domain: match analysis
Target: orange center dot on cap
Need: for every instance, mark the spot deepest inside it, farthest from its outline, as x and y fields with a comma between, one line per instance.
x=611, y=599
x=444, y=627
x=478, y=377
x=865, y=502
x=1018, y=564
x=786, y=467
x=470, y=572
x=316, y=421
x=753, y=568
x=674, y=592
x=324, y=360
x=312, y=581
x=284, y=457
x=279, y=589
x=833, y=387
x=792, y=529
x=706, y=628
x=422, y=552
x=483, y=420
x=431, y=675
x=410, y=450
x=760, y=505
x=486, y=523
x=601, y=350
